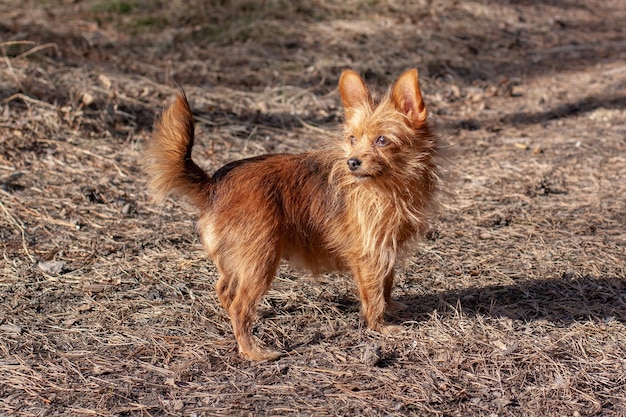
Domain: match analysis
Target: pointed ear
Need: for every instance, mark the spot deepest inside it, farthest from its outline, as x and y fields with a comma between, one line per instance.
x=407, y=98
x=353, y=92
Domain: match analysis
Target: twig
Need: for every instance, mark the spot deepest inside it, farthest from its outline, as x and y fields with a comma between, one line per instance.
x=10, y=43
x=29, y=100
x=311, y=127
x=20, y=227
x=37, y=49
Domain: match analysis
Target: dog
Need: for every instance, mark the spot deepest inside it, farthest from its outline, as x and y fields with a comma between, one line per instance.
x=354, y=205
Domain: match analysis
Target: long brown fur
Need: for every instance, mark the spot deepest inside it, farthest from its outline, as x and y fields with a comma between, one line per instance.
x=354, y=206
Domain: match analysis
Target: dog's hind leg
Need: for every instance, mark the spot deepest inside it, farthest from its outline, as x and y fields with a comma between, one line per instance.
x=253, y=283
x=393, y=306
x=226, y=287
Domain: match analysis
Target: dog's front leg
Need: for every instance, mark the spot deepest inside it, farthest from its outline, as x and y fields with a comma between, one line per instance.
x=371, y=288
x=375, y=296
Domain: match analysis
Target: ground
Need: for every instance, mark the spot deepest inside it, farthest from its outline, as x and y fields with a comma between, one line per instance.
x=517, y=294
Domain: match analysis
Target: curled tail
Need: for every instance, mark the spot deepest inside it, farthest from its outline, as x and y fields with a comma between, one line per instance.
x=169, y=163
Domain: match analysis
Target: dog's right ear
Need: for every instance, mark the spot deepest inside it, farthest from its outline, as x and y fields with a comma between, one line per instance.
x=407, y=98
x=353, y=92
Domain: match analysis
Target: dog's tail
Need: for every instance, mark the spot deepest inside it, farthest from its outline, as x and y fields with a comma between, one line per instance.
x=169, y=163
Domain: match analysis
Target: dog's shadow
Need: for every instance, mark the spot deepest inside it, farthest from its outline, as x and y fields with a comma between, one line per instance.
x=561, y=301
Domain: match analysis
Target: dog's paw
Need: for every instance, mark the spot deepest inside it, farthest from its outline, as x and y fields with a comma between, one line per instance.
x=262, y=355
x=388, y=329
x=391, y=329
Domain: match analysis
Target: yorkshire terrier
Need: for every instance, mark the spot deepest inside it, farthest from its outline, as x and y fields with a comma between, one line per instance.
x=354, y=205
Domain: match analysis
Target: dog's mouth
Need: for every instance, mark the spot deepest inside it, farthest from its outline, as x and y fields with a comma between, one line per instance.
x=363, y=176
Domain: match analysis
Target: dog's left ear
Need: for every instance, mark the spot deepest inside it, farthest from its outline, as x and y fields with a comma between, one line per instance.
x=407, y=98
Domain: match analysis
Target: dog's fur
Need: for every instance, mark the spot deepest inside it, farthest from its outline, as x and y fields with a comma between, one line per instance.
x=352, y=206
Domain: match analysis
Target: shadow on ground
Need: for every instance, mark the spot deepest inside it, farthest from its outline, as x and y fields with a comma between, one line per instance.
x=561, y=301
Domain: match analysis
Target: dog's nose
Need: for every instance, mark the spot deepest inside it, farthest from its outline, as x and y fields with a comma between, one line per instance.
x=354, y=164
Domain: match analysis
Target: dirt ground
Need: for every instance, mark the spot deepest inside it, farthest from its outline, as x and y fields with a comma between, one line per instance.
x=517, y=294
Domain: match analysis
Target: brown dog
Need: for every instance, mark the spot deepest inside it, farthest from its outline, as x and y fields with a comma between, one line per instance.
x=353, y=206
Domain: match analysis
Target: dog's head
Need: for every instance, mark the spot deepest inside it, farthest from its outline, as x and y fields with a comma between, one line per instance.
x=384, y=139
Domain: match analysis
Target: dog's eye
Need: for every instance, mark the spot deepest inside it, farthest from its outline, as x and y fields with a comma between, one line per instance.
x=352, y=139
x=382, y=141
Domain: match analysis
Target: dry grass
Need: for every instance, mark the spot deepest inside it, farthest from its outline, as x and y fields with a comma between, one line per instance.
x=518, y=296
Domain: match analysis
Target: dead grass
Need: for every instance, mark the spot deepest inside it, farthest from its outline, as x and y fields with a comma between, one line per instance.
x=517, y=298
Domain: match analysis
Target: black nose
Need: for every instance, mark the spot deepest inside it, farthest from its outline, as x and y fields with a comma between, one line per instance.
x=354, y=164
